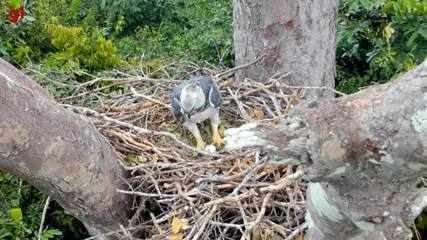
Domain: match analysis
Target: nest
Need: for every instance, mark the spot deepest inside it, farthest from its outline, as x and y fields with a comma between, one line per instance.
x=179, y=193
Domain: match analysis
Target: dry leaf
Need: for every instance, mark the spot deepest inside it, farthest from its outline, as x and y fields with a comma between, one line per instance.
x=270, y=168
x=257, y=113
x=179, y=224
x=242, y=164
x=263, y=232
x=176, y=236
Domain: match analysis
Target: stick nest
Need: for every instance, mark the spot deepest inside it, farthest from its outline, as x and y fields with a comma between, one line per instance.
x=177, y=193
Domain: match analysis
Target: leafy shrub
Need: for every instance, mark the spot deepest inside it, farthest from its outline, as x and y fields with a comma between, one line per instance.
x=148, y=42
x=125, y=17
x=421, y=224
x=15, y=45
x=20, y=211
x=208, y=35
x=195, y=30
x=76, y=49
x=379, y=39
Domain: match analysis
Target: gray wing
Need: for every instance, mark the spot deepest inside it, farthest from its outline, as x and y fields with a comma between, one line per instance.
x=175, y=102
x=211, y=91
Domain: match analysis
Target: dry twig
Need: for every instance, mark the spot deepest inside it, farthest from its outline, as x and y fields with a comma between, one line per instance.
x=46, y=205
x=222, y=195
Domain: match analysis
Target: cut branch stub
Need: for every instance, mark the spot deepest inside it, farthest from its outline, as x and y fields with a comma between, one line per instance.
x=286, y=142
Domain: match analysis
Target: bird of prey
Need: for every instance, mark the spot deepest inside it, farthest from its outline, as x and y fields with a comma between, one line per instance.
x=194, y=101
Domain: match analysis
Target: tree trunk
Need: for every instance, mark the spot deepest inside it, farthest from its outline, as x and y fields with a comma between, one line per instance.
x=59, y=152
x=364, y=155
x=288, y=36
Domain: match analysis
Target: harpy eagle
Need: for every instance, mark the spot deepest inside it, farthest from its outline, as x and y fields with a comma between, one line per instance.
x=194, y=101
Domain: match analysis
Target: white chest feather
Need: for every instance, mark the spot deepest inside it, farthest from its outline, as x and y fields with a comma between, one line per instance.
x=192, y=97
x=202, y=116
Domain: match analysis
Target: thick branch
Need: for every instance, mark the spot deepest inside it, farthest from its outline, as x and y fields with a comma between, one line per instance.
x=370, y=148
x=59, y=152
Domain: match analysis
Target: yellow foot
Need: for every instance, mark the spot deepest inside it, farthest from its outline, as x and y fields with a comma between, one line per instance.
x=200, y=145
x=217, y=140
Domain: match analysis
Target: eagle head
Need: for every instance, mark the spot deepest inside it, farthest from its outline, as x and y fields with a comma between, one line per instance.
x=192, y=97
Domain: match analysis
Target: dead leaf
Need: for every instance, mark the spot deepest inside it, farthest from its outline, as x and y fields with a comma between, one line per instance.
x=264, y=232
x=179, y=224
x=270, y=168
x=257, y=113
x=176, y=236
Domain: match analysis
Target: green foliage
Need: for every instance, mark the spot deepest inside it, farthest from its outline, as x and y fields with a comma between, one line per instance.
x=10, y=229
x=15, y=214
x=420, y=228
x=14, y=4
x=14, y=45
x=38, y=37
x=194, y=30
x=421, y=221
x=125, y=16
x=16, y=220
x=48, y=234
x=76, y=49
x=376, y=39
x=379, y=39
x=208, y=34
x=21, y=207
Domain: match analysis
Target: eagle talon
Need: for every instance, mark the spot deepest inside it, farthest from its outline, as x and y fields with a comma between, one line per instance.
x=217, y=140
x=200, y=145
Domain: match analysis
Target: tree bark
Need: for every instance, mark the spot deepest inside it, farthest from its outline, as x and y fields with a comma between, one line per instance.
x=59, y=152
x=364, y=154
x=287, y=36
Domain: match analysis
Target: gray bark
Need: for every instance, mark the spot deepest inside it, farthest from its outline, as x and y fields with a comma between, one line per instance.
x=290, y=36
x=59, y=152
x=363, y=153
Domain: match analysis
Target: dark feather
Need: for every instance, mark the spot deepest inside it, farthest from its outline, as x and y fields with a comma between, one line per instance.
x=175, y=101
x=210, y=90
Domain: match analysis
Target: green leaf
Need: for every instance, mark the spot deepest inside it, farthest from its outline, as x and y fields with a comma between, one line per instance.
x=15, y=4
x=421, y=221
x=423, y=32
x=411, y=39
x=29, y=18
x=50, y=234
x=388, y=32
x=367, y=4
x=15, y=214
x=410, y=5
